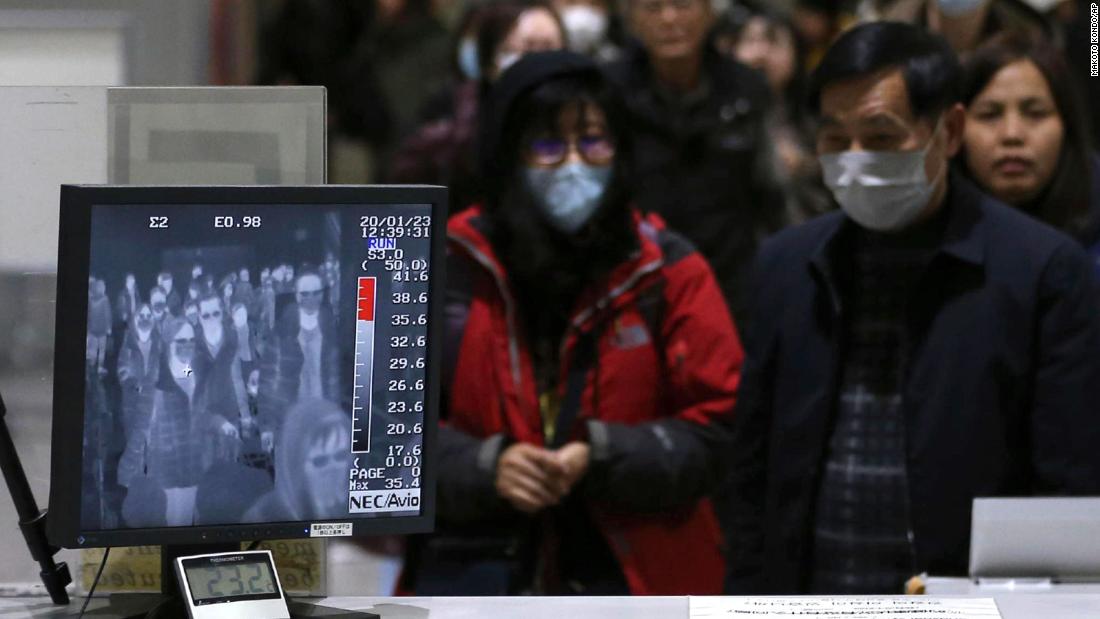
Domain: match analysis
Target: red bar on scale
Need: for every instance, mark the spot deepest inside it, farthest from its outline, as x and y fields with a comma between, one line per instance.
x=366, y=299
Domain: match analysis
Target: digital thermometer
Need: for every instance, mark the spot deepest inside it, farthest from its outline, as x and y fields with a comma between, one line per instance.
x=231, y=585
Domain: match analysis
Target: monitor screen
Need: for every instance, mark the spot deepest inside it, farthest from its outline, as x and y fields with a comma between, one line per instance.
x=244, y=363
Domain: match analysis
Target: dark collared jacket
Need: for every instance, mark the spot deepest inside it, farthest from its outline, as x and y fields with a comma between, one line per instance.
x=705, y=164
x=999, y=391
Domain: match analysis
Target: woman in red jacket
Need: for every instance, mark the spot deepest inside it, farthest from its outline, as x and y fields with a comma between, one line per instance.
x=590, y=366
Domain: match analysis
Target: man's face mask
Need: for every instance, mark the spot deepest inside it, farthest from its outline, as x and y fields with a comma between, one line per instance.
x=211, y=319
x=568, y=195
x=183, y=346
x=145, y=319
x=881, y=190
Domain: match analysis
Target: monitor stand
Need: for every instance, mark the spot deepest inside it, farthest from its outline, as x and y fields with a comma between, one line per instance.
x=168, y=604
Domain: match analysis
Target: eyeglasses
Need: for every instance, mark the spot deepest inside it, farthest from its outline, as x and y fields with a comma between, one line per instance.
x=594, y=149
x=213, y=314
x=322, y=461
x=309, y=293
x=654, y=6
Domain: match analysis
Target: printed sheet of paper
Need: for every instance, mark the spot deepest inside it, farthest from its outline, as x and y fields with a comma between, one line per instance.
x=910, y=607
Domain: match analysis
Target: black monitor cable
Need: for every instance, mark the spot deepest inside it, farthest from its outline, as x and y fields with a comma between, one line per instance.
x=91, y=592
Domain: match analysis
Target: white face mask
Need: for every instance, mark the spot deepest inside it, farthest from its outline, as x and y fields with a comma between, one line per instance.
x=958, y=8
x=585, y=27
x=569, y=194
x=306, y=320
x=882, y=191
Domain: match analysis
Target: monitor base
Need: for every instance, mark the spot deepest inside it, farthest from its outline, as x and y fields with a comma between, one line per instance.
x=158, y=606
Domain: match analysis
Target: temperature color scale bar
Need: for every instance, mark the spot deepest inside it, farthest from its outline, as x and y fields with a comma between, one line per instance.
x=364, y=366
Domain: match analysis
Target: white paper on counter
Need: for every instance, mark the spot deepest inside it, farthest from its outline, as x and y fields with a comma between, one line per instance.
x=908, y=607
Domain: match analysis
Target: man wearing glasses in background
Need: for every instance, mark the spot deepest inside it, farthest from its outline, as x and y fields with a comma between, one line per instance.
x=701, y=155
x=303, y=361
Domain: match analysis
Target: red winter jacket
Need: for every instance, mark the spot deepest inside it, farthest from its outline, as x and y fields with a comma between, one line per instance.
x=654, y=406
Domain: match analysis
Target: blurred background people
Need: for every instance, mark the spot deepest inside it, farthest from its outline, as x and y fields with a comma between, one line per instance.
x=321, y=42
x=582, y=425
x=965, y=24
x=443, y=151
x=768, y=41
x=1027, y=140
x=950, y=333
x=702, y=156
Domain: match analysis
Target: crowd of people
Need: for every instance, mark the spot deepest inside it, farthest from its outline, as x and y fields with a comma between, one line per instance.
x=749, y=300
x=195, y=393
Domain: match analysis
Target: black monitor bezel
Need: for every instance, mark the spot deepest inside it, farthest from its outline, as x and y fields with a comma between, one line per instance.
x=74, y=245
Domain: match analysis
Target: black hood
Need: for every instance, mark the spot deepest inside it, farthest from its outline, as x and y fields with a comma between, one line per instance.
x=530, y=71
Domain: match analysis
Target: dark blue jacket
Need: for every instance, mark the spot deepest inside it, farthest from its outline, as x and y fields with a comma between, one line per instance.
x=1000, y=392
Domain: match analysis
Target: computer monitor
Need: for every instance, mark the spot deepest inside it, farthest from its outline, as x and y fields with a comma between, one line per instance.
x=242, y=363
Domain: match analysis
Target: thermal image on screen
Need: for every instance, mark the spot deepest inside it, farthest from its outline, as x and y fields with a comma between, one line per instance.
x=254, y=364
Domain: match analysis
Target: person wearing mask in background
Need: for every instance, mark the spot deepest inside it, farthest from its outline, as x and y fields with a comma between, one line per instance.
x=99, y=324
x=245, y=352
x=443, y=152
x=1026, y=141
x=216, y=359
x=191, y=312
x=924, y=346
x=179, y=428
x=702, y=158
x=769, y=42
x=138, y=366
x=158, y=300
x=590, y=366
x=267, y=303
x=303, y=357
x=965, y=24
x=172, y=296
x=128, y=299
x=590, y=27
x=243, y=292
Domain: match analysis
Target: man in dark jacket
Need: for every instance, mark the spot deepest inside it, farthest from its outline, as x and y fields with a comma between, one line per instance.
x=924, y=346
x=303, y=360
x=701, y=155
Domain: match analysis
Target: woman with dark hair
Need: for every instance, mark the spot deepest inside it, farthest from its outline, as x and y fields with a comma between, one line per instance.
x=1027, y=136
x=442, y=151
x=769, y=41
x=589, y=366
